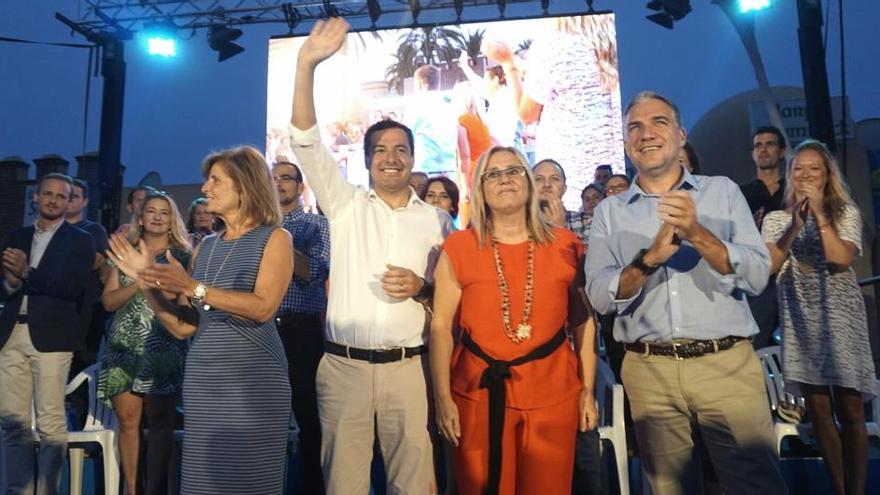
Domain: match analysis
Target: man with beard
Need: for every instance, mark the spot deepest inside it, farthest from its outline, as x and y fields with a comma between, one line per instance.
x=47, y=280
x=766, y=193
x=300, y=317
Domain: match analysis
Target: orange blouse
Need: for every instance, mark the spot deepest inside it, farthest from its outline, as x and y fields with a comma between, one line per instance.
x=478, y=138
x=539, y=383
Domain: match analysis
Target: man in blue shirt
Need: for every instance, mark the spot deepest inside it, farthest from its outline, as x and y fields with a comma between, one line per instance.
x=675, y=256
x=301, y=315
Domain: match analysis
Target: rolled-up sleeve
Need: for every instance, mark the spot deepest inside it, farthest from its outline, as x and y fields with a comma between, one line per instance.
x=746, y=250
x=603, y=269
x=321, y=170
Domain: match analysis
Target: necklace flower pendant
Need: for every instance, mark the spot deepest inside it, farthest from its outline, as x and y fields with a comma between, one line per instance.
x=523, y=331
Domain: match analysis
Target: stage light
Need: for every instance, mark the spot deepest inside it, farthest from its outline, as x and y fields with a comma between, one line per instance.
x=545, y=4
x=459, y=8
x=746, y=6
x=502, y=6
x=160, y=38
x=374, y=9
x=220, y=39
x=668, y=11
x=162, y=47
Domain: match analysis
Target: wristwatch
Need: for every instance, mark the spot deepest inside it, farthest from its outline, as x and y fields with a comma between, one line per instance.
x=200, y=292
x=639, y=263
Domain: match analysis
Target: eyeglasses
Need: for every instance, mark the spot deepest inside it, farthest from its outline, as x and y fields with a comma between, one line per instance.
x=495, y=174
x=287, y=178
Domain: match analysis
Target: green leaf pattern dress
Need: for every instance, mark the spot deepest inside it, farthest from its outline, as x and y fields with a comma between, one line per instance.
x=141, y=356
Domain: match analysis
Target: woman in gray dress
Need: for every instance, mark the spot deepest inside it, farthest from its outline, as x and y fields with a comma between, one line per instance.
x=825, y=334
x=236, y=393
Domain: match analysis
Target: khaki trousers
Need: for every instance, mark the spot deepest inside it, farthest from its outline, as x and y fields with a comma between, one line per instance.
x=357, y=401
x=29, y=377
x=724, y=395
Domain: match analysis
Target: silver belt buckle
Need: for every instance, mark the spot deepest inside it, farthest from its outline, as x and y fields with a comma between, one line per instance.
x=675, y=346
x=402, y=353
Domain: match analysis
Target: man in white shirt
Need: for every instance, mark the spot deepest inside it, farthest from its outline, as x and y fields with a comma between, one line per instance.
x=383, y=243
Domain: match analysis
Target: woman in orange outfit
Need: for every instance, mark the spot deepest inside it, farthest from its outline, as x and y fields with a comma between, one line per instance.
x=512, y=393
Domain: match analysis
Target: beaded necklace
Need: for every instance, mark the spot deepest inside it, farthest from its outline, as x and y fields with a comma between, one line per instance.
x=524, y=329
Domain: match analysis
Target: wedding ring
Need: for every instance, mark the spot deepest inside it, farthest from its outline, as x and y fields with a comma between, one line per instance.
x=121, y=258
x=159, y=285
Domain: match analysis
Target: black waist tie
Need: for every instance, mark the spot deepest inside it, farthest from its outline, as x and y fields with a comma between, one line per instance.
x=493, y=379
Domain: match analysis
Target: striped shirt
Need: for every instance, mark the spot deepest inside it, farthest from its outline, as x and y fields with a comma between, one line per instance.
x=311, y=237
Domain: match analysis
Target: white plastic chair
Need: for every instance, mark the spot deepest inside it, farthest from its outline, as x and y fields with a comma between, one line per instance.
x=100, y=428
x=771, y=359
x=611, y=424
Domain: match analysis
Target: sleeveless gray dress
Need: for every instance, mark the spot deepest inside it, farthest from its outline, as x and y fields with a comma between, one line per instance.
x=236, y=393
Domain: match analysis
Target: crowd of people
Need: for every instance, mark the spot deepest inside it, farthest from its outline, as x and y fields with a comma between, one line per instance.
x=462, y=356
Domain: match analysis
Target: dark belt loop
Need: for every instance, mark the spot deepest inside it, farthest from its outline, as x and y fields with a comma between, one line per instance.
x=493, y=379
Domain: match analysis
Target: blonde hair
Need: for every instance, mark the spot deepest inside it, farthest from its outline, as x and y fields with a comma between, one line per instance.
x=481, y=215
x=836, y=196
x=252, y=179
x=177, y=235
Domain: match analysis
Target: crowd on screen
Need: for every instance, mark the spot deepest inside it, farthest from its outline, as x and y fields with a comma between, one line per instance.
x=450, y=335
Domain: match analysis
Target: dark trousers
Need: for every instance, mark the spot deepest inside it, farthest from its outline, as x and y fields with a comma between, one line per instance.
x=161, y=418
x=302, y=335
x=765, y=311
x=587, y=464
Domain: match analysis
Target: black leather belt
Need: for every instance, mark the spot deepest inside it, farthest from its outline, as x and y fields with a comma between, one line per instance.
x=375, y=356
x=287, y=316
x=684, y=350
x=21, y=319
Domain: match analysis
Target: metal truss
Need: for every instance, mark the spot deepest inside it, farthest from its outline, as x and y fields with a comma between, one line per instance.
x=120, y=18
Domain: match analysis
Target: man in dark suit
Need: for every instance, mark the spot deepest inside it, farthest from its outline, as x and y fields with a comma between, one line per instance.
x=47, y=277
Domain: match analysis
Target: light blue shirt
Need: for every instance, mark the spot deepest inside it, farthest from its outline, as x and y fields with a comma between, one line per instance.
x=685, y=298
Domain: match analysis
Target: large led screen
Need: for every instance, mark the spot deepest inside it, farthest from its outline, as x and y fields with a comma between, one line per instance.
x=559, y=97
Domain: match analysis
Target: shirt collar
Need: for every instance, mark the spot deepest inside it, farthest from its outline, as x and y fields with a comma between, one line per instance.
x=294, y=212
x=413, y=198
x=52, y=228
x=687, y=182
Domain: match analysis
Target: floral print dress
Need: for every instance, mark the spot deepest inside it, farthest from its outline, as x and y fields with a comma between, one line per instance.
x=140, y=355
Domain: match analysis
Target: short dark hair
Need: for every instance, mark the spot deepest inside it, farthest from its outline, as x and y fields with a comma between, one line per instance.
x=604, y=167
x=83, y=186
x=693, y=157
x=451, y=189
x=384, y=125
x=141, y=187
x=428, y=75
x=593, y=186
x=54, y=176
x=299, y=171
x=771, y=129
x=554, y=162
x=622, y=176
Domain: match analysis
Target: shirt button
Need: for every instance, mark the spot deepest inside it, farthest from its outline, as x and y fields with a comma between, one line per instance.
x=674, y=293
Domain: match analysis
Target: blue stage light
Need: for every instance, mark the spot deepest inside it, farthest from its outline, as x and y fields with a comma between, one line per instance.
x=746, y=6
x=160, y=38
x=161, y=46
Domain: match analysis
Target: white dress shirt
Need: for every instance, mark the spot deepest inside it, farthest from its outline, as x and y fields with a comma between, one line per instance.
x=366, y=234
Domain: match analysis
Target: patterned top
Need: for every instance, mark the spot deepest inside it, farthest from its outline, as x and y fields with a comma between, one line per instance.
x=579, y=223
x=311, y=236
x=822, y=312
x=141, y=356
x=581, y=125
